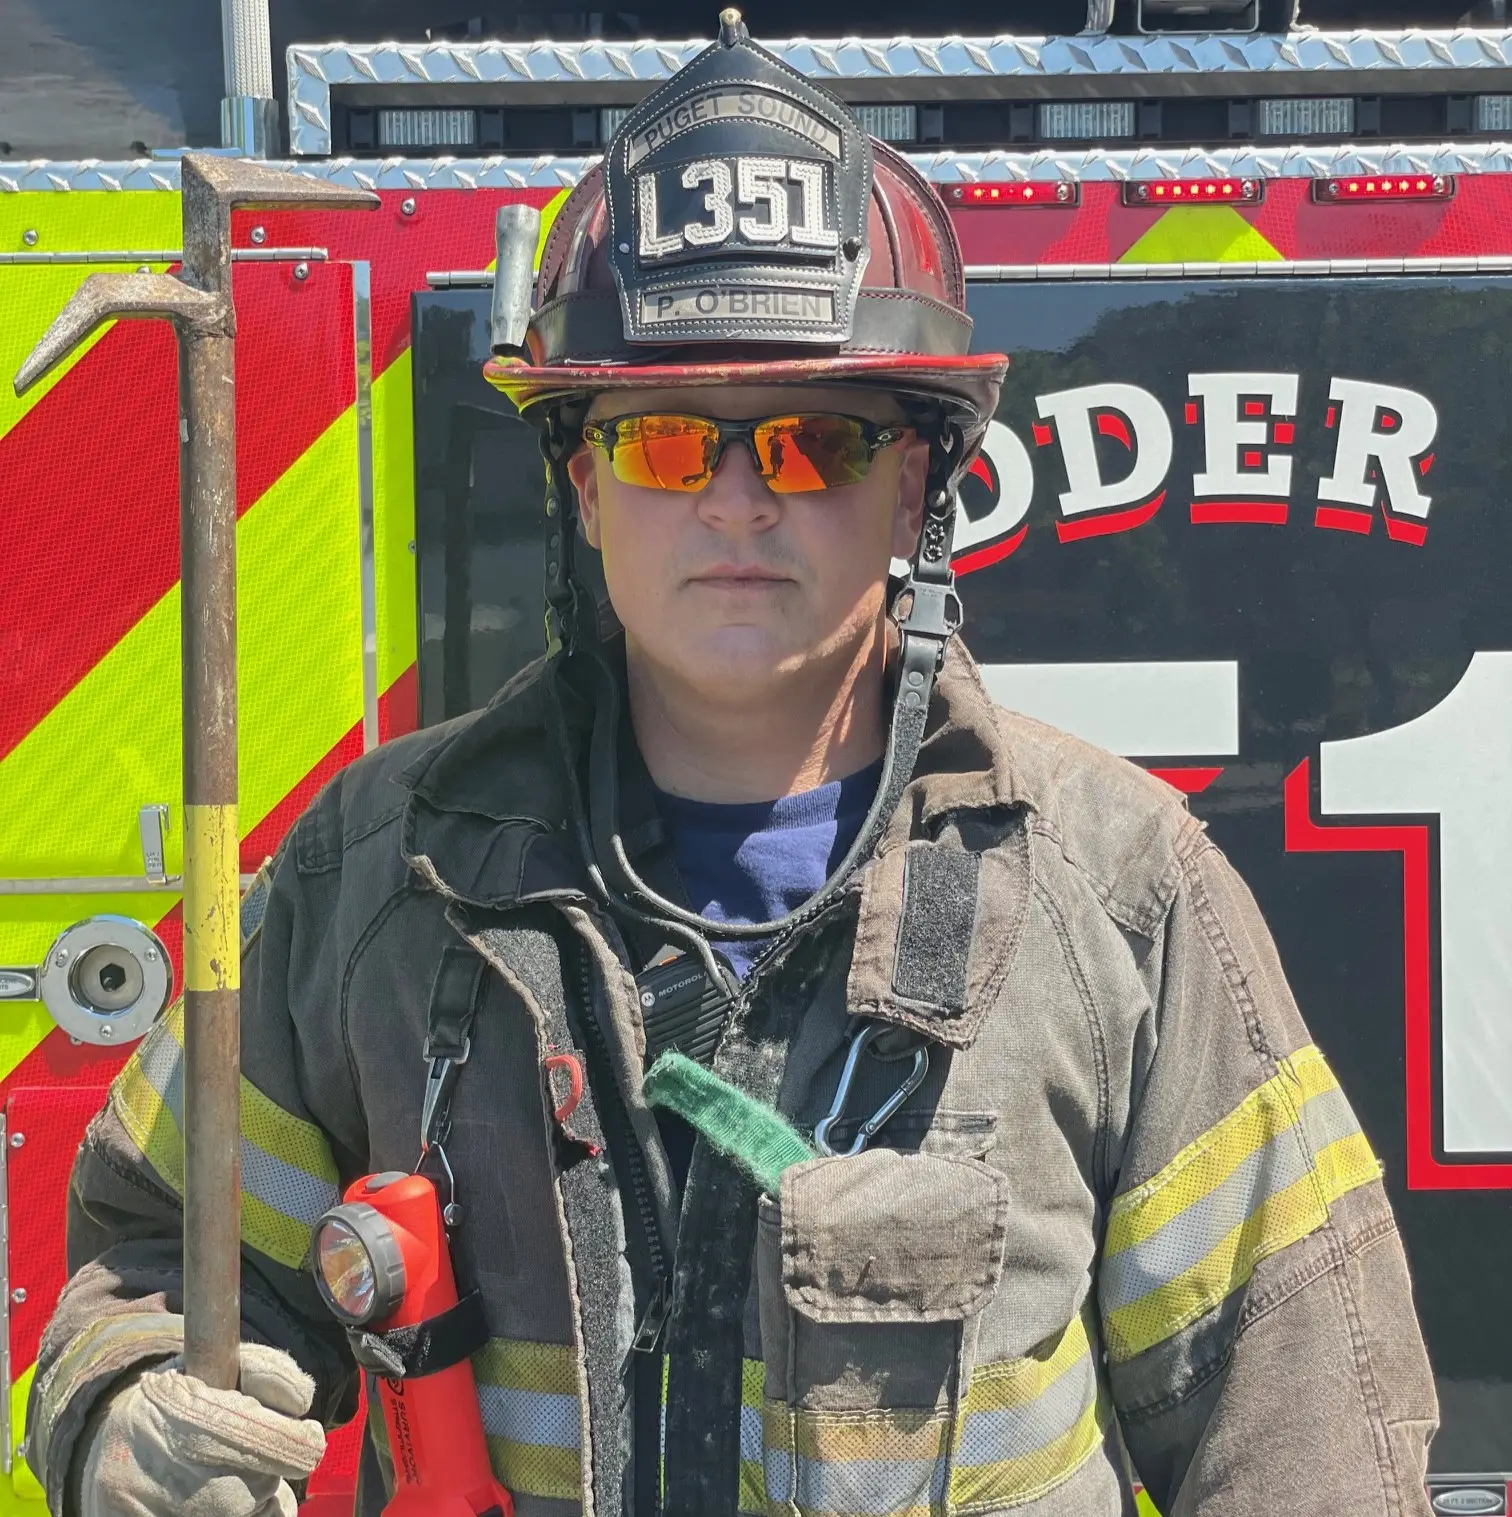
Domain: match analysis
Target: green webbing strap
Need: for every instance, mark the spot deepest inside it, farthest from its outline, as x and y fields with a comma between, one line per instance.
x=755, y=1137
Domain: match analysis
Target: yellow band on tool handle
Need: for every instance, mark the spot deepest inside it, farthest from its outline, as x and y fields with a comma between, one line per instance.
x=212, y=899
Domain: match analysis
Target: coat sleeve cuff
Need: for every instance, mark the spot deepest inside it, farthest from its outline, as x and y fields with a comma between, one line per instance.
x=92, y=1363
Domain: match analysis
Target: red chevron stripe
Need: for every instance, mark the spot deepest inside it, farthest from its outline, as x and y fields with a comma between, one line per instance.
x=89, y=477
x=264, y=839
x=399, y=706
x=88, y=495
x=52, y=1123
x=447, y=229
x=57, y=1061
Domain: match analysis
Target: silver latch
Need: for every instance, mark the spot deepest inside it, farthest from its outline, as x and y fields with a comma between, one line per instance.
x=152, y=829
x=152, y=822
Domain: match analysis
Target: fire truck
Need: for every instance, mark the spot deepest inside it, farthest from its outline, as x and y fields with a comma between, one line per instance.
x=1237, y=518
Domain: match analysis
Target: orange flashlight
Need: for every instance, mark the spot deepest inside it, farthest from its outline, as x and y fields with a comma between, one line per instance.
x=382, y=1263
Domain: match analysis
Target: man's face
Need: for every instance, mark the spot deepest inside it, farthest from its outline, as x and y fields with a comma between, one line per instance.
x=735, y=587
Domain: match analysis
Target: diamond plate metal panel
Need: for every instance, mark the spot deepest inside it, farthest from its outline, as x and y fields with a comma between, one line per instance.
x=1090, y=166
x=1295, y=161
x=445, y=173
x=1265, y=64
x=1286, y=268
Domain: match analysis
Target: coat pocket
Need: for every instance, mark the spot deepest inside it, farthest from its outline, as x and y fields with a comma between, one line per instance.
x=871, y=1273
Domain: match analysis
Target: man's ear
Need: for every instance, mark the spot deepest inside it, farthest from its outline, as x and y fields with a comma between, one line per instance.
x=582, y=470
x=913, y=471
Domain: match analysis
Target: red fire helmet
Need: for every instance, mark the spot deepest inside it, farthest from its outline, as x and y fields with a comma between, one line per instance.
x=742, y=229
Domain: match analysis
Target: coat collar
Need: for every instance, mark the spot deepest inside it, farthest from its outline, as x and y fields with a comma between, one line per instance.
x=965, y=763
x=488, y=819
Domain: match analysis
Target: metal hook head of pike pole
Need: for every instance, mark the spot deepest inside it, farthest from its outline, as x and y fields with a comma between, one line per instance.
x=861, y=1040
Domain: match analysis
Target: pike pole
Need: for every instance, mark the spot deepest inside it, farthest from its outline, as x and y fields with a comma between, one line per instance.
x=198, y=303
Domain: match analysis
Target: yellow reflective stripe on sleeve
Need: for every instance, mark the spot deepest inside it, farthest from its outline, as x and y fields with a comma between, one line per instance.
x=1212, y=1158
x=254, y=905
x=1344, y=1165
x=146, y=1117
x=1254, y=1183
x=96, y=1355
x=288, y=1175
x=528, y=1394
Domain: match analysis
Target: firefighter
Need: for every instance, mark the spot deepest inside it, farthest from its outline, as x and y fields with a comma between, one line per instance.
x=985, y=1157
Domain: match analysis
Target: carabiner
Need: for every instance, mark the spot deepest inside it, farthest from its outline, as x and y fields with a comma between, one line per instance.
x=859, y=1043
x=435, y=1127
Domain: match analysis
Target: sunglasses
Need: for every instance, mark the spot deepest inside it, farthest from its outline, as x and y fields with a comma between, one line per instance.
x=793, y=454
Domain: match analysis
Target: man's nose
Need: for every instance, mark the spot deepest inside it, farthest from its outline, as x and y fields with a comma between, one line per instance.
x=737, y=494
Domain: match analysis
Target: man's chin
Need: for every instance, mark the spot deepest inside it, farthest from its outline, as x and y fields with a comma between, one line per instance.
x=742, y=659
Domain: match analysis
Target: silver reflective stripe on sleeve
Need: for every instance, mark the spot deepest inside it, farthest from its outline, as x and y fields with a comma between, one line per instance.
x=288, y=1175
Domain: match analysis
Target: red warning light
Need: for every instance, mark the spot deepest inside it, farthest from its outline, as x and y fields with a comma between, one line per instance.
x=1163, y=192
x=1014, y=192
x=1371, y=189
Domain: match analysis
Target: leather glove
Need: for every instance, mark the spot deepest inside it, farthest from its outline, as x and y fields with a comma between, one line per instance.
x=167, y=1445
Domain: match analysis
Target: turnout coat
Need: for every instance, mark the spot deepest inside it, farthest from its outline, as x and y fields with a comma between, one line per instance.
x=1128, y=1221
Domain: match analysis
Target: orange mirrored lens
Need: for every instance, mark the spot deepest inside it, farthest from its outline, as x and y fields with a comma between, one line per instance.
x=799, y=453
x=665, y=452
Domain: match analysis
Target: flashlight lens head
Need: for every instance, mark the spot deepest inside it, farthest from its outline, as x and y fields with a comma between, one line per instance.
x=358, y=1264
x=346, y=1268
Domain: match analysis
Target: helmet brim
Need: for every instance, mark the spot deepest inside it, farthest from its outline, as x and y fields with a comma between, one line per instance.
x=967, y=385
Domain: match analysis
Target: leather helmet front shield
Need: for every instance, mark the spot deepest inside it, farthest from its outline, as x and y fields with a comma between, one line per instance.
x=738, y=197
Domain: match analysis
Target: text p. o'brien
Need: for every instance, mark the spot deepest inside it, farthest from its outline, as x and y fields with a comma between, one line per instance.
x=710, y=302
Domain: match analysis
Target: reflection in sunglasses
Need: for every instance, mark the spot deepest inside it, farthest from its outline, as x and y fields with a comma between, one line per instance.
x=793, y=454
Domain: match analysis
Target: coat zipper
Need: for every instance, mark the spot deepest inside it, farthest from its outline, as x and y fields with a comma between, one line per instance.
x=637, y=1180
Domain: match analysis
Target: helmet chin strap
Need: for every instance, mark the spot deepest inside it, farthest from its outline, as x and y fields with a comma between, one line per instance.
x=930, y=615
x=564, y=596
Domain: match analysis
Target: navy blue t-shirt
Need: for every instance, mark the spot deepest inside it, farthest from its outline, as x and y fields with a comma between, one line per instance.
x=756, y=861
